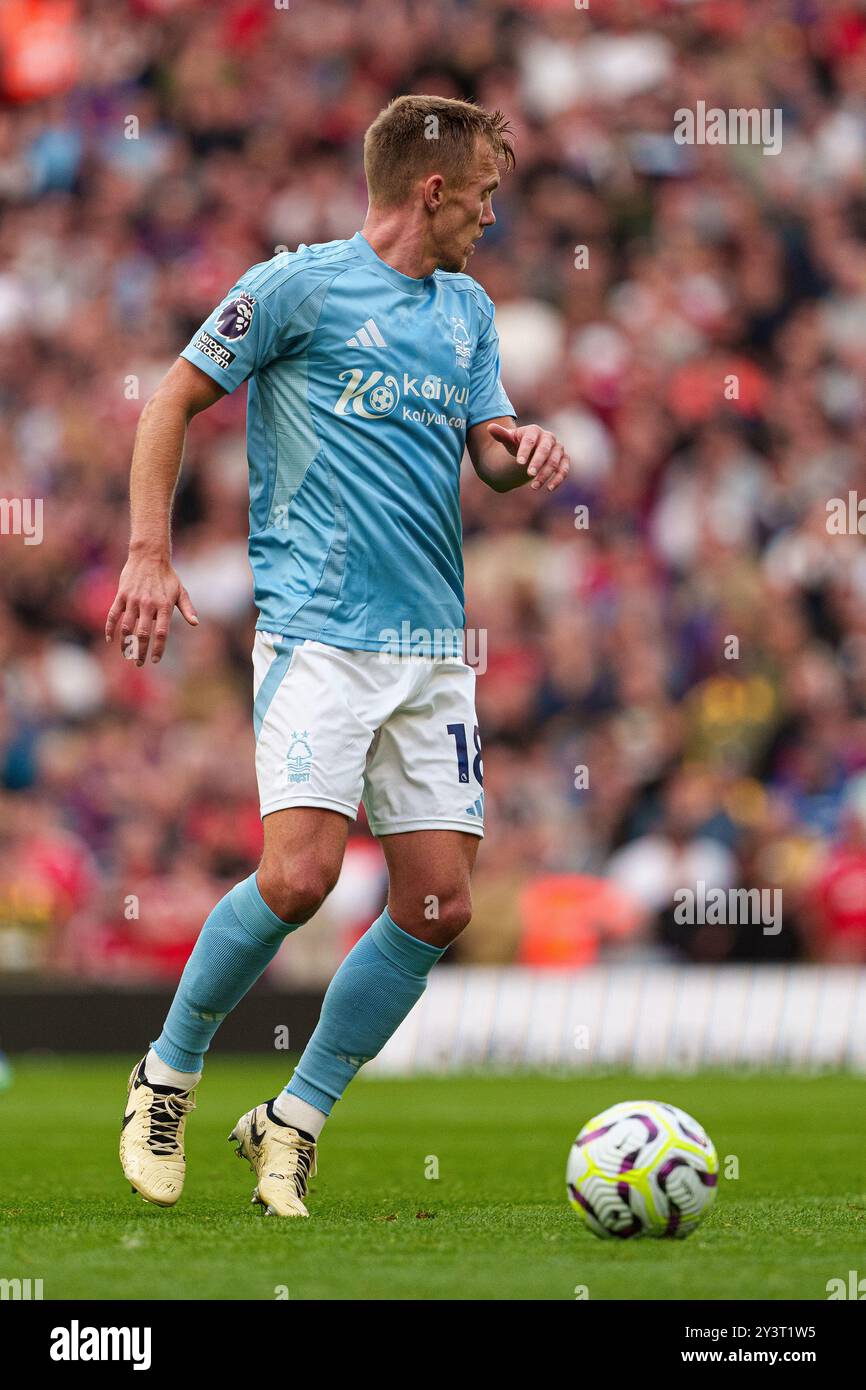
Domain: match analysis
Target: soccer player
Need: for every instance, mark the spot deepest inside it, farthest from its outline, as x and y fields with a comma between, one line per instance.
x=372, y=363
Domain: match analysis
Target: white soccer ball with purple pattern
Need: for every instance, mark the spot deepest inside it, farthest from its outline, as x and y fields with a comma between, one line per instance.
x=642, y=1168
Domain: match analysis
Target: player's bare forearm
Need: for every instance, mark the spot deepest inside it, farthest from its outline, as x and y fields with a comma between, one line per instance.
x=499, y=471
x=506, y=455
x=149, y=589
x=156, y=462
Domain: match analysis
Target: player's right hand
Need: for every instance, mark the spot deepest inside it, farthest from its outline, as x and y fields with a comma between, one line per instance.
x=147, y=594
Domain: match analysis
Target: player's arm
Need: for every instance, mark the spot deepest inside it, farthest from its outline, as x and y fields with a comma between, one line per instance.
x=506, y=455
x=149, y=589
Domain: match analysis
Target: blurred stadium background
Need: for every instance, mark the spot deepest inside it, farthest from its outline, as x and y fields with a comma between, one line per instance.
x=150, y=151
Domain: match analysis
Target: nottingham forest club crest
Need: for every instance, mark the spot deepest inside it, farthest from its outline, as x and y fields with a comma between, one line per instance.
x=299, y=760
x=462, y=342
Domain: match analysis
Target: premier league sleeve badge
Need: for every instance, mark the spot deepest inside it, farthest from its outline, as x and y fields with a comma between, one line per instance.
x=234, y=319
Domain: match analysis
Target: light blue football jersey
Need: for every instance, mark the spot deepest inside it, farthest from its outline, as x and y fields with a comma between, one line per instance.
x=362, y=384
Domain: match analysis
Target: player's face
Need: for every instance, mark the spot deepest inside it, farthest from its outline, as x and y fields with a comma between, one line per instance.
x=466, y=211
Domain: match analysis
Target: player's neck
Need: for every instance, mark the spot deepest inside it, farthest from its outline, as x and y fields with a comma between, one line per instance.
x=399, y=242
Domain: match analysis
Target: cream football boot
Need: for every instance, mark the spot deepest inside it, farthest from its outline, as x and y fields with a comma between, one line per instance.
x=282, y=1158
x=151, y=1138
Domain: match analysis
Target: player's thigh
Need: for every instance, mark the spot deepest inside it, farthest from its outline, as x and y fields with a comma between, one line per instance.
x=429, y=873
x=306, y=834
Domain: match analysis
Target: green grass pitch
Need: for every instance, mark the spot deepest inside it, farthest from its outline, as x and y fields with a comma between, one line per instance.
x=494, y=1225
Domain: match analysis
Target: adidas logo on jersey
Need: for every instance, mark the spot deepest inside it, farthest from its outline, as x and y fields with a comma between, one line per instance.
x=367, y=336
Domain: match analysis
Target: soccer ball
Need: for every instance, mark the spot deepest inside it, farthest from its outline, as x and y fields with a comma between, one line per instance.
x=642, y=1168
x=382, y=399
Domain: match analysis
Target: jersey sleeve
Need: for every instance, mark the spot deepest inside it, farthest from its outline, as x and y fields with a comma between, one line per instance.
x=487, y=397
x=238, y=338
x=254, y=325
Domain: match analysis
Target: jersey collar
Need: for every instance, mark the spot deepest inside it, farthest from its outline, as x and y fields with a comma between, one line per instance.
x=407, y=283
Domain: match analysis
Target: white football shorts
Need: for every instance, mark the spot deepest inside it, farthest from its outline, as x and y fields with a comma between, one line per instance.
x=335, y=727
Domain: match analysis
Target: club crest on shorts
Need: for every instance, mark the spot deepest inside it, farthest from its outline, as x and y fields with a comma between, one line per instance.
x=299, y=760
x=235, y=318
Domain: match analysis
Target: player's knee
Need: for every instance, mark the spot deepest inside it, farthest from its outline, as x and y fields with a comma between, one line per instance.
x=454, y=914
x=296, y=889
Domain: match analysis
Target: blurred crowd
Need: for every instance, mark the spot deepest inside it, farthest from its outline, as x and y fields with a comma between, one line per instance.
x=675, y=663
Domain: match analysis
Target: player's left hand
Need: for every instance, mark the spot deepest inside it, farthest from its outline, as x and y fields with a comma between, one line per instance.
x=538, y=450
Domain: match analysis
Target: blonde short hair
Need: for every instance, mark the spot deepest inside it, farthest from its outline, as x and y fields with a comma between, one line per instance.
x=419, y=135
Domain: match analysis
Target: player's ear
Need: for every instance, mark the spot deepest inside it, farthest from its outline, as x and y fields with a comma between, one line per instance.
x=433, y=189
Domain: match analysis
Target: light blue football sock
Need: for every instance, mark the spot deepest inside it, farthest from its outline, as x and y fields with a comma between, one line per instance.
x=383, y=975
x=237, y=942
